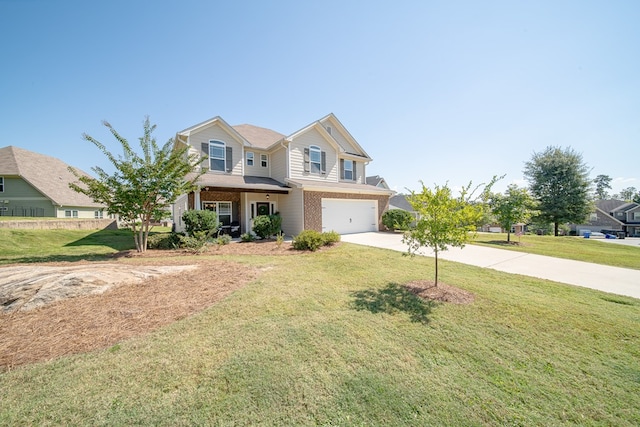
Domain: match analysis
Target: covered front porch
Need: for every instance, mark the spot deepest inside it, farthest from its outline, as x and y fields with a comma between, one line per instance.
x=236, y=200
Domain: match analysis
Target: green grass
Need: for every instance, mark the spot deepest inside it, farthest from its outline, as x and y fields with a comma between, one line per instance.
x=23, y=245
x=569, y=247
x=329, y=338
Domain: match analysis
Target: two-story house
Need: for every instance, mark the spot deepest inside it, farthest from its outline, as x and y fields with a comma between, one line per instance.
x=614, y=216
x=314, y=177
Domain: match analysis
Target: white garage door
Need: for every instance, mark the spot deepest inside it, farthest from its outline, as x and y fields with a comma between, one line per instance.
x=349, y=216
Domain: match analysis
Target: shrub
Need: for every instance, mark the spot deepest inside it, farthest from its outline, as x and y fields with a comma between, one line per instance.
x=308, y=240
x=279, y=239
x=247, y=237
x=224, y=239
x=163, y=241
x=201, y=221
x=266, y=226
x=397, y=219
x=330, y=238
x=196, y=243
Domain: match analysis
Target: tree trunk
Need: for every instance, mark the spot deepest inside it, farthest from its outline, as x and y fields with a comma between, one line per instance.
x=509, y=236
x=555, y=229
x=435, y=252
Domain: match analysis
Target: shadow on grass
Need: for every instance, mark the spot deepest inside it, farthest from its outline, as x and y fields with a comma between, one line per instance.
x=118, y=240
x=391, y=299
x=57, y=258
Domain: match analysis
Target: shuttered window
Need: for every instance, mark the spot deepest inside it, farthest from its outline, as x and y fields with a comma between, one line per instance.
x=1, y=184
x=347, y=170
x=220, y=156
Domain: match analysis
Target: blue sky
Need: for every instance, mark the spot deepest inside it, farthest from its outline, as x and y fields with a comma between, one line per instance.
x=438, y=91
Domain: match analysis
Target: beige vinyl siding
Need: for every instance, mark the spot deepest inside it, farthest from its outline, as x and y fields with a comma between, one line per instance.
x=279, y=164
x=256, y=169
x=23, y=198
x=340, y=138
x=219, y=134
x=313, y=137
x=292, y=211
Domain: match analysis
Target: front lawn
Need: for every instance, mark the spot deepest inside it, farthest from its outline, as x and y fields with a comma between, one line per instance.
x=332, y=338
x=569, y=247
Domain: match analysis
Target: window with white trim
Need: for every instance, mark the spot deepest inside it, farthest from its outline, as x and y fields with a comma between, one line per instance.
x=71, y=213
x=1, y=184
x=223, y=209
x=98, y=214
x=217, y=158
x=249, y=158
x=263, y=160
x=315, y=159
x=348, y=170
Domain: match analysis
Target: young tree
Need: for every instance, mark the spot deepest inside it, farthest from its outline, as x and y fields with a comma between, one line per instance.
x=559, y=182
x=142, y=187
x=602, y=182
x=515, y=206
x=443, y=220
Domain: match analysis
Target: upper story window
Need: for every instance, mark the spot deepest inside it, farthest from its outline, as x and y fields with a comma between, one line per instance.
x=263, y=160
x=593, y=217
x=217, y=157
x=1, y=184
x=220, y=155
x=315, y=159
x=348, y=170
x=249, y=158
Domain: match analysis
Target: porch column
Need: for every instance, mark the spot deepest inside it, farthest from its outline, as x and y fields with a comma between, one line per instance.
x=196, y=200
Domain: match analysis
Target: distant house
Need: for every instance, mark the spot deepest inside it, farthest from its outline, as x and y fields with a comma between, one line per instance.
x=612, y=215
x=314, y=177
x=35, y=185
x=377, y=181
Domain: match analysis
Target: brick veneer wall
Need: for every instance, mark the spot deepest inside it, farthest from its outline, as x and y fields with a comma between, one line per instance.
x=313, y=206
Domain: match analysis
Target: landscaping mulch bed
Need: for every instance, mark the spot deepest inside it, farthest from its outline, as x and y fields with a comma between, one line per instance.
x=443, y=293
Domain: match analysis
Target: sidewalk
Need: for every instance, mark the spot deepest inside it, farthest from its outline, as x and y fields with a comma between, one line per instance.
x=616, y=280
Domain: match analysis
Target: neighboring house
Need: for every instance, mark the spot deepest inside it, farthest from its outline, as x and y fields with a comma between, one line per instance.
x=35, y=185
x=314, y=177
x=377, y=181
x=612, y=215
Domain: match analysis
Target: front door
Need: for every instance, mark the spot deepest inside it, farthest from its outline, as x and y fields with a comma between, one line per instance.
x=262, y=208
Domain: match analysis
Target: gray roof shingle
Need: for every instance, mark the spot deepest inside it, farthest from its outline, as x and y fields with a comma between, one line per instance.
x=47, y=174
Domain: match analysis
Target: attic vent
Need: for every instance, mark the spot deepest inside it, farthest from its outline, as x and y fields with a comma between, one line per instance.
x=329, y=129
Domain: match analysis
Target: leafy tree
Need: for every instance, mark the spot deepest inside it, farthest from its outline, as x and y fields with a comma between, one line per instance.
x=142, y=187
x=559, y=182
x=443, y=220
x=602, y=182
x=515, y=206
x=628, y=193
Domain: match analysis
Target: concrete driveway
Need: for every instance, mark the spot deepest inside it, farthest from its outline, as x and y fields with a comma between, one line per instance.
x=616, y=280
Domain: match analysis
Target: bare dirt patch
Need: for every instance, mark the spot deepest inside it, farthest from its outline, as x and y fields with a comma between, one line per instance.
x=84, y=323
x=426, y=289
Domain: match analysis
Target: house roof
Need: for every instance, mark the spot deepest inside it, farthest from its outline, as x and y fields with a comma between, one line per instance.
x=399, y=201
x=609, y=205
x=242, y=183
x=338, y=187
x=47, y=174
x=259, y=137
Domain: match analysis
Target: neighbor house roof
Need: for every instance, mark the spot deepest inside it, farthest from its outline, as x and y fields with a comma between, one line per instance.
x=47, y=174
x=609, y=205
x=399, y=201
x=257, y=136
